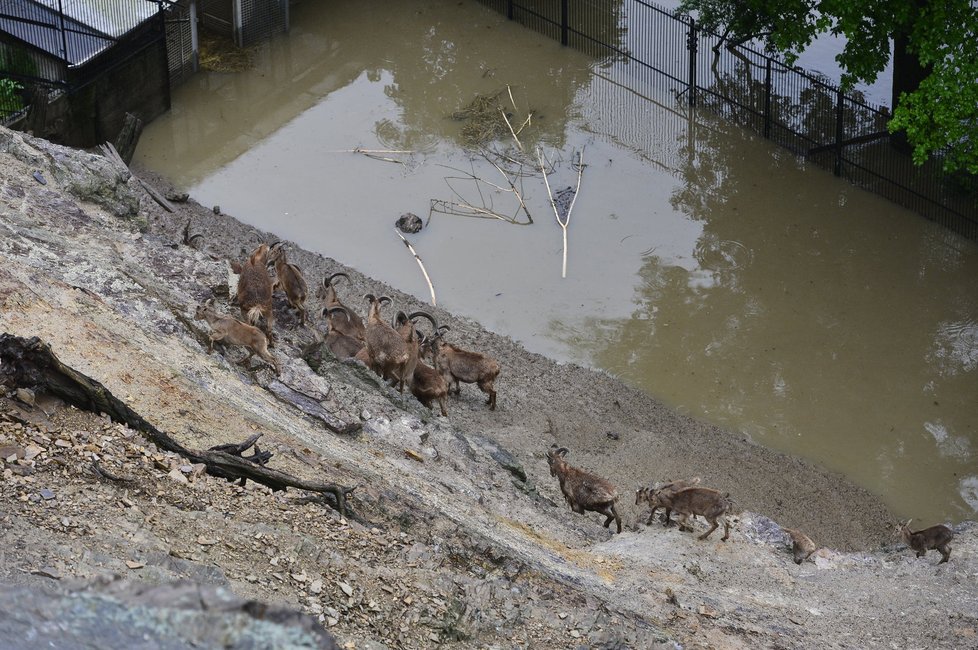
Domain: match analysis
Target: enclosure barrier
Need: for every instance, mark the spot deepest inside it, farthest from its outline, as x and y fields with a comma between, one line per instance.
x=791, y=107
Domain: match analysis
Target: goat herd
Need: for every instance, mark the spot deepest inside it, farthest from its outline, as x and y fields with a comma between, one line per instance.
x=395, y=351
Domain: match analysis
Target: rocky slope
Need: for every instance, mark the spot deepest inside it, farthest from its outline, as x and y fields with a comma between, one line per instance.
x=458, y=535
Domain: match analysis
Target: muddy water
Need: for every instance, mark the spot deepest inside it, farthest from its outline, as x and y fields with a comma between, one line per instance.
x=703, y=265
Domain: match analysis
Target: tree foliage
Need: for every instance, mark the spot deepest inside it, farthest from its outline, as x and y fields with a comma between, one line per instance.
x=939, y=115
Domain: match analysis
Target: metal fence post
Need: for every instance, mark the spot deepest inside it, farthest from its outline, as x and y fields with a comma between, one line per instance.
x=767, y=100
x=509, y=10
x=839, y=135
x=692, y=44
x=564, y=23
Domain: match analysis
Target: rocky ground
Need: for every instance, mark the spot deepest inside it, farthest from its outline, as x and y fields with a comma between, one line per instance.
x=457, y=535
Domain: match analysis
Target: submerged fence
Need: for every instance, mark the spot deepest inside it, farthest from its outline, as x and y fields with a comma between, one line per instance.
x=789, y=106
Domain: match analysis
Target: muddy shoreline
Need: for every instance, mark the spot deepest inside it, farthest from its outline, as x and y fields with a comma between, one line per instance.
x=618, y=431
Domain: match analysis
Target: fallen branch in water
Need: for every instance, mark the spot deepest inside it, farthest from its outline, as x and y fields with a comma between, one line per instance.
x=421, y=264
x=31, y=363
x=563, y=223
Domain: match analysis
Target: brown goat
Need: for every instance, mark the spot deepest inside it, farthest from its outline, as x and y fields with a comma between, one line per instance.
x=288, y=278
x=646, y=494
x=708, y=503
x=428, y=385
x=348, y=323
x=341, y=345
x=583, y=490
x=458, y=365
x=231, y=330
x=802, y=545
x=255, y=290
x=389, y=354
x=936, y=537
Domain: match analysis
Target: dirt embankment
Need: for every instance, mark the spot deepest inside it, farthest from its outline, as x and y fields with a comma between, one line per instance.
x=465, y=542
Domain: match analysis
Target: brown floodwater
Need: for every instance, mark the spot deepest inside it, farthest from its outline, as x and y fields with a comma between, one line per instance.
x=705, y=266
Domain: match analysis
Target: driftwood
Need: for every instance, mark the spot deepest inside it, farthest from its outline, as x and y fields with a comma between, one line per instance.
x=109, y=151
x=30, y=363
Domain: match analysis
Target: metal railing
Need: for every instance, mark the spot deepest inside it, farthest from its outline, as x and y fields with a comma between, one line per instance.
x=793, y=108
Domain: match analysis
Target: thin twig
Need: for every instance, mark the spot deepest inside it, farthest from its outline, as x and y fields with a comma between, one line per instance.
x=421, y=264
x=513, y=101
x=516, y=192
x=506, y=119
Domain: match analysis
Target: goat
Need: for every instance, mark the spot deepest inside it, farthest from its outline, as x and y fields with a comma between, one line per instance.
x=583, y=490
x=646, y=494
x=350, y=325
x=341, y=345
x=458, y=365
x=427, y=384
x=390, y=355
x=288, y=278
x=255, y=290
x=936, y=537
x=697, y=501
x=802, y=545
x=231, y=330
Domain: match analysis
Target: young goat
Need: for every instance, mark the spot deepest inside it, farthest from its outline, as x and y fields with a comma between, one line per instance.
x=231, y=330
x=646, y=494
x=936, y=537
x=349, y=323
x=458, y=365
x=288, y=278
x=583, y=490
x=708, y=503
x=341, y=345
x=390, y=355
x=802, y=545
x=255, y=290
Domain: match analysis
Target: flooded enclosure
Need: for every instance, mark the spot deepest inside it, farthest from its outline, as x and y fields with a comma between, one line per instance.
x=705, y=266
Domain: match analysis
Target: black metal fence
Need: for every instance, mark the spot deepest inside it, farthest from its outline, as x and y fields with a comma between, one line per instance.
x=791, y=107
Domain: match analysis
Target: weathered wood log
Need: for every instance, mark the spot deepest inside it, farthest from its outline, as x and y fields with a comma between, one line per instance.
x=125, y=142
x=30, y=363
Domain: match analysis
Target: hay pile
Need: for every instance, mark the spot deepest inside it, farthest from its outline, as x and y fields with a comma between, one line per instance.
x=483, y=120
x=218, y=53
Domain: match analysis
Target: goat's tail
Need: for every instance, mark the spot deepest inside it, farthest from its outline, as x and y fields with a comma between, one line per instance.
x=254, y=315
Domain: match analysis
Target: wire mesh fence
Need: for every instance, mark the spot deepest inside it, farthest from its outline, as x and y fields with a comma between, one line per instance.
x=795, y=109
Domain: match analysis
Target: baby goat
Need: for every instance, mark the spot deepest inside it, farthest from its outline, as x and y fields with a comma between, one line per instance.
x=231, y=330
x=691, y=501
x=255, y=290
x=646, y=494
x=349, y=323
x=936, y=537
x=802, y=545
x=458, y=365
x=583, y=490
x=427, y=384
x=288, y=278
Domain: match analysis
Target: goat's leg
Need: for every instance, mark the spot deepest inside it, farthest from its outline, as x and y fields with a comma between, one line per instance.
x=441, y=402
x=713, y=527
x=945, y=550
x=726, y=530
x=214, y=336
x=667, y=518
x=617, y=518
x=684, y=523
x=651, y=517
x=921, y=553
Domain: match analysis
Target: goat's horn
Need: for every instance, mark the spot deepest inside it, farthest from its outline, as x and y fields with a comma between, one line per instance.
x=328, y=280
x=424, y=314
x=275, y=245
x=382, y=299
x=399, y=319
x=443, y=328
x=328, y=311
x=257, y=235
x=562, y=451
x=370, y=297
